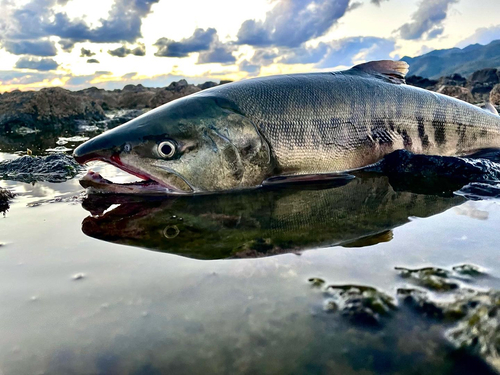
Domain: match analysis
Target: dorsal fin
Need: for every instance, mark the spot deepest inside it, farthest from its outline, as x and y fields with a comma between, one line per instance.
x=490, y=108
x=389, y=70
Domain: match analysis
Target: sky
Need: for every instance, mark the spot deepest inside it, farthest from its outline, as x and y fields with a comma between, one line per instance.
x=76, y=44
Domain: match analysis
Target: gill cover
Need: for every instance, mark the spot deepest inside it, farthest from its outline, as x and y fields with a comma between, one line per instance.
x=217, y=148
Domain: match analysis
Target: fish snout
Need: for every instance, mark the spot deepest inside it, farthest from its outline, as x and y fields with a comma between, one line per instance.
x=92, y=150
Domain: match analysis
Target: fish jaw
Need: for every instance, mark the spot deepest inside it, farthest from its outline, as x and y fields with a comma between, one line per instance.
x=95, y=183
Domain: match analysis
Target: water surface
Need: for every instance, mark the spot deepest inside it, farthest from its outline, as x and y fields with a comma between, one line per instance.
x=233, y=283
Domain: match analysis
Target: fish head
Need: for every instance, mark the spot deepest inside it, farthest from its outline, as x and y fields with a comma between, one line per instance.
x=192, y=145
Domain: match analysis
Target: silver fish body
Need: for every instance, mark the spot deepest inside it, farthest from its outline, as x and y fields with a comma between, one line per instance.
x=240, y=134
x=326, y=122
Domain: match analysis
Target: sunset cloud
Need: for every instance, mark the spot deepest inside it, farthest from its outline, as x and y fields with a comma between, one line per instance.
x=61, y=42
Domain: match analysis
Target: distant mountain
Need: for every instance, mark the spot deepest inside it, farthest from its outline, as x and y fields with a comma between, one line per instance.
x=464, y=61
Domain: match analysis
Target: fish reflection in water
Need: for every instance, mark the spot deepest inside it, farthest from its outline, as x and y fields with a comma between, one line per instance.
x=357, y=212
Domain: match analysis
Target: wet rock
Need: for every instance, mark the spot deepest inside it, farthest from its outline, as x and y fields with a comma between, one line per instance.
x=421, y=302
x=52, y=168
x=5, y=197
x=360, y=304
x=469, y=270
x=458, y=92
x=479, y=331
x=436, y=279
x=475, y=314
x=408, y=171
x=52, y=107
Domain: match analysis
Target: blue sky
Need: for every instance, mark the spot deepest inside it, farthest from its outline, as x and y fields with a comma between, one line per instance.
x=110, y=43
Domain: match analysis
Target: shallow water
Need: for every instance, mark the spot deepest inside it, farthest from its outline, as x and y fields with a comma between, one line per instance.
x=235, y=283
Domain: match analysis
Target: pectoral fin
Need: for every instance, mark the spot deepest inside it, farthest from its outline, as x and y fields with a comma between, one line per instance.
x=371, y=240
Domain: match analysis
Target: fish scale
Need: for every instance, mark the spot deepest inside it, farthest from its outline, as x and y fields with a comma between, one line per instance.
x=324, y=122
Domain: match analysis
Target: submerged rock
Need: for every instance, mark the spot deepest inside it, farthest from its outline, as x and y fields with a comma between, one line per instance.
x=52, y=168
x=362, y=305
x=432, y=278
x=469, y=318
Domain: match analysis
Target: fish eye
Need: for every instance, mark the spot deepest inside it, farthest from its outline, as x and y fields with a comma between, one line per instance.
x=166, y=149
x=127, y=147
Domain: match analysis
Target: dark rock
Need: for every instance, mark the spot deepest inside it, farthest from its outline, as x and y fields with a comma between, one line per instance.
x=135, y=99
x=447, y=173
x=207, y=85
x=52, y=107
x=482, y=82
x=52, y=168
x=162, y=97
x=423, y=83
x=224, y=81
x=485, y=76
x=453, y=80
x=174, y=91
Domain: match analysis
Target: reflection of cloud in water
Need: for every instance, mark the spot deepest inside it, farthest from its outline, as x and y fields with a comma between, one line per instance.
x=50, y=190
x=469, y=209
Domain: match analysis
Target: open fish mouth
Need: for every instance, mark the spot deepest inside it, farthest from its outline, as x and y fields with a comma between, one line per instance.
x=95, y=183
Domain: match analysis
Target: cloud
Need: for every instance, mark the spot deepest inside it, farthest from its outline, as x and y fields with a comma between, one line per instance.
x=428, y=19
x=36, y=64
x=26, y=47
x=377, y=2
x=355, y=50
x=15, y=77
x=292, y=22
x=206, y=42
x=483, y=35
x=123, y=51
x=199, y=41
x=93, y=61
x=342, y=52
x=220, y=54
x=86, y=53
x=129, y=75
x=38, y=19
x=247, y=66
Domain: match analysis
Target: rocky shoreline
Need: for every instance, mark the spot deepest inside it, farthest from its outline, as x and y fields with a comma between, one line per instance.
x=55, y=108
